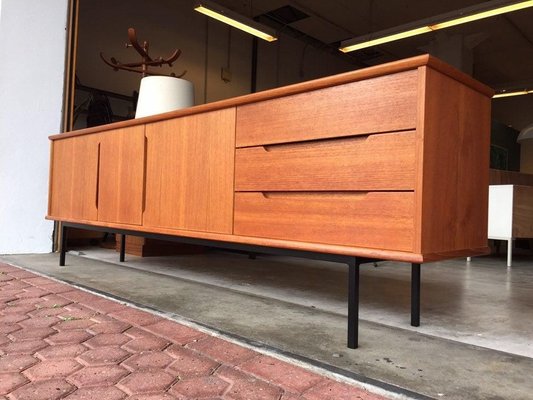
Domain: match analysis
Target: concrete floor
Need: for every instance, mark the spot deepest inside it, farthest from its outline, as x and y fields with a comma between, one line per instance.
x=475, y=342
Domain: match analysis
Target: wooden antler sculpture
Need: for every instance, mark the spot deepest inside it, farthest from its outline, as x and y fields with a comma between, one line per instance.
x=147, y=61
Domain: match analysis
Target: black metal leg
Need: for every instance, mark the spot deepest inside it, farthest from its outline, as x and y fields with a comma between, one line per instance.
x=415, y=294
x=122, y=248
x=63, y=249
x=353, y=304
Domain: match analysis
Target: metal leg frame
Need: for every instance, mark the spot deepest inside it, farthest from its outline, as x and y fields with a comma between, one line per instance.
x=122, y=248
x=63, y=250
x=353, y=303
x=509, y=252
x=353, y=273
x=415, y=294
x=353, y=299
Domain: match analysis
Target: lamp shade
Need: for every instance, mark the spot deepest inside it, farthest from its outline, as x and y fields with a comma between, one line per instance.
x=526, y=133
x=160, y=94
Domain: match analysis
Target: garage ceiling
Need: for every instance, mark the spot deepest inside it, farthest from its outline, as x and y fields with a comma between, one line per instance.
x=502, y=45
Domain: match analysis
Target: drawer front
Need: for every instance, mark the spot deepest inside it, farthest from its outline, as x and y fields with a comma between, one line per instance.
x=374, y=162
x=383, y=104
x=379, y=220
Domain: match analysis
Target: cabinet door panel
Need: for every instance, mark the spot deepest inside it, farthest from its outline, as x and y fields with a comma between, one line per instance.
x=189, y=172
x=73, y=178
x=121, y=179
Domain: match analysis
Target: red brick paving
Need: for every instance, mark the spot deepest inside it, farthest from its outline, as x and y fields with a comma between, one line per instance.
x=222, y=350
x=109, y=327
x=58, y=342
x=43, y=390
x=107, y=339
x=143, y=382
x=190, y=363
x=148, y=360
x=296, y=379
x=16, y=362
x=50, y=369
x=204, y=386
x=104, y=356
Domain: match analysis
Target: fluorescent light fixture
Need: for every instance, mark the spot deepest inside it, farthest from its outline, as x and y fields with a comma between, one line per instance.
x=463, y=16
x=385, y=39
x=510, y=94
x=236, y=20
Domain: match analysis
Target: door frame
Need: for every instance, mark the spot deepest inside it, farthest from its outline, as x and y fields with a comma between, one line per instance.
x=69, y=88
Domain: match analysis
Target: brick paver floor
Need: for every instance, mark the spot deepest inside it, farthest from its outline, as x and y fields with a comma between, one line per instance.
x=59, y=342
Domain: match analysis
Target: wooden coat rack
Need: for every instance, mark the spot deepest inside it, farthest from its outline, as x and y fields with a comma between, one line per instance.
x=147, y=61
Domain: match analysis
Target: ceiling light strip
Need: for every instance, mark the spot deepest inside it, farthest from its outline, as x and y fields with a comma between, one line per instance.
x=236, y=20
x=485, y=10
x=510, y=94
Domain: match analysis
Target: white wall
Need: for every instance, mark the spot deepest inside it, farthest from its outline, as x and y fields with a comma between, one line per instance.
x=33, y=46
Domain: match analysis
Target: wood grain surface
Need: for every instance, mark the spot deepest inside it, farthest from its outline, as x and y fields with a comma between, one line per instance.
x=379, y=220
x=375, y=162
x=121, y=178
x=453, y=165
x=74, y=179
x=190, y=172
x=382, y=104
x=522, y=211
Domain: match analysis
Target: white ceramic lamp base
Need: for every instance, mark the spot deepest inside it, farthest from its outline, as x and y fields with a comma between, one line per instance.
x=160, y=94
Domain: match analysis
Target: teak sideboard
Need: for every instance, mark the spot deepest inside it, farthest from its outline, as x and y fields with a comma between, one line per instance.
x=385, y=163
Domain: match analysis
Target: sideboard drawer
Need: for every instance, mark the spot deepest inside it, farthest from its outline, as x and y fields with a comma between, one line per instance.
x=382, y=104
x=373, y=162
x=380, y=220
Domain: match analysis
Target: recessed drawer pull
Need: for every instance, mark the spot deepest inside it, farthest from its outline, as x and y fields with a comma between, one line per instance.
x=314, y=143
x=316, y=195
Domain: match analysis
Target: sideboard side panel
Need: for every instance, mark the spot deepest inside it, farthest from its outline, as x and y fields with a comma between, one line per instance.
x=453, y=184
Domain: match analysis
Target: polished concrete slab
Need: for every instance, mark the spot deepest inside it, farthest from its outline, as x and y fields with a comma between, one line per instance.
x=475, y=341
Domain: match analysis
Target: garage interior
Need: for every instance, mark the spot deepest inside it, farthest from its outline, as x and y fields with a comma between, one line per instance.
x=476, y=335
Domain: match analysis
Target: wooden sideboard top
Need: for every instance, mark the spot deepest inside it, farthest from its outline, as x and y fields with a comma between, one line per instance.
x=352, y=76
